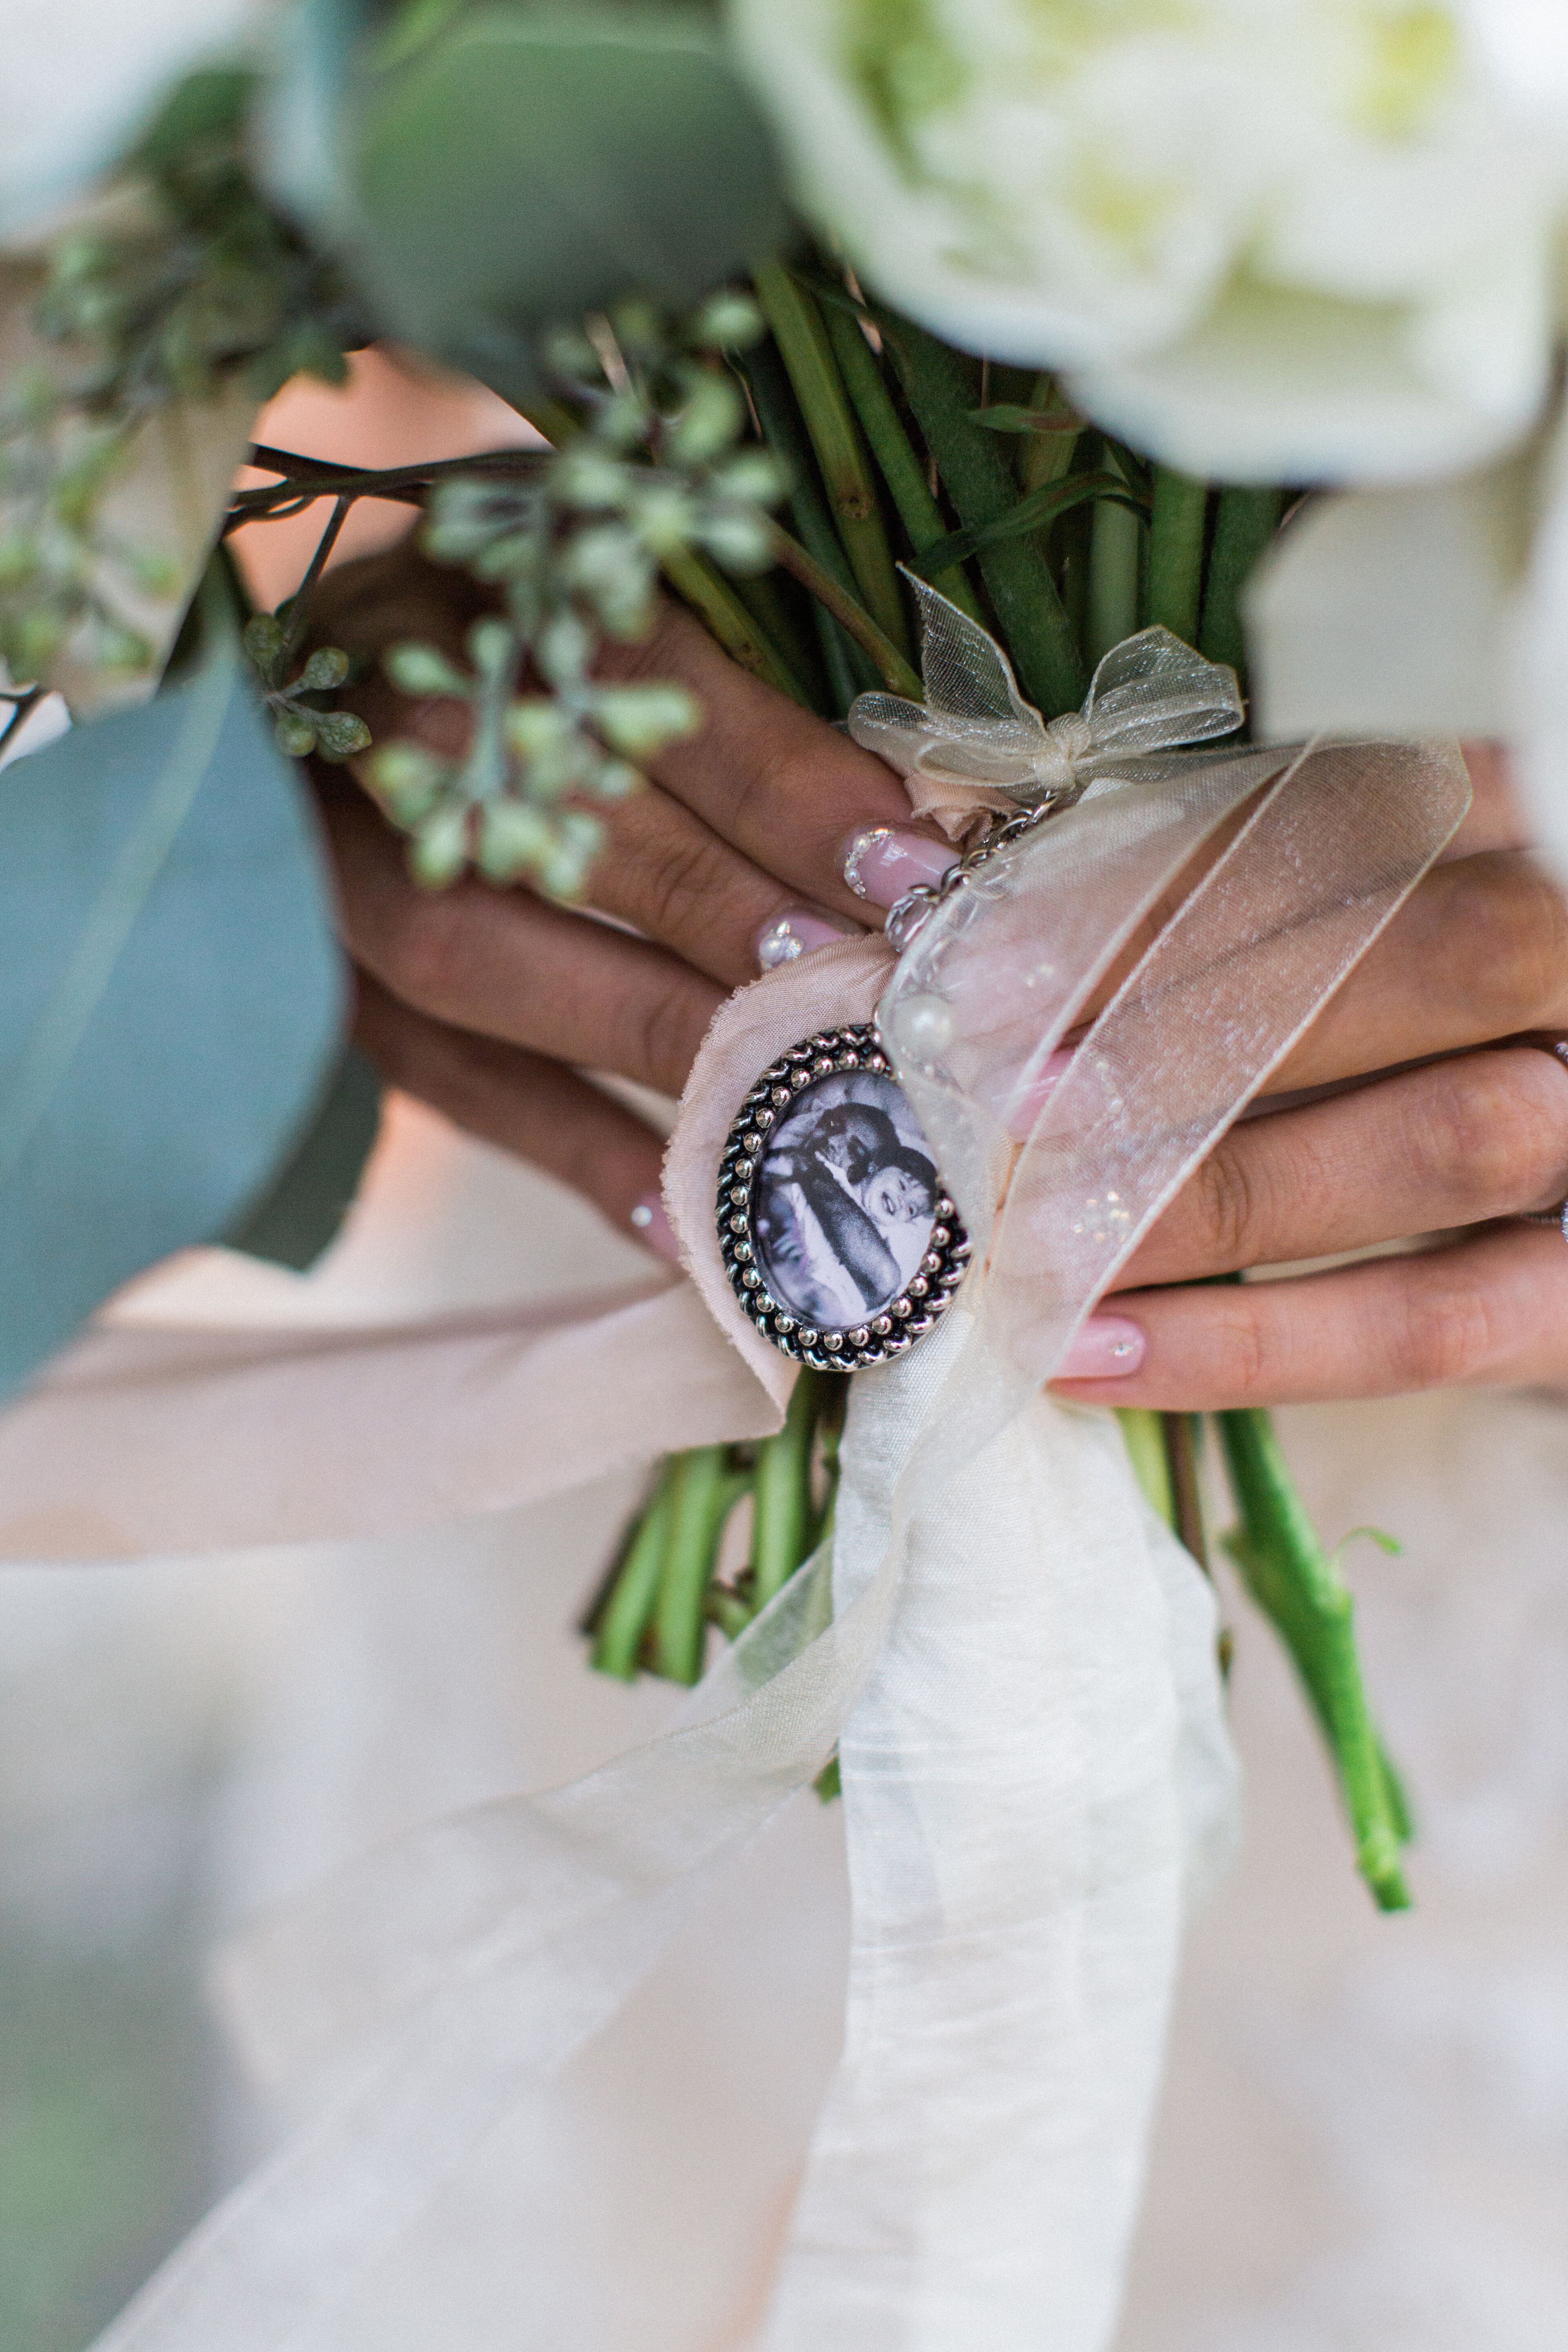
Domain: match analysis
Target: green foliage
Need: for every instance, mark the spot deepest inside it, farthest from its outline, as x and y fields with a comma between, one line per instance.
x=500, y=166
x=309, y=1197
x=190, y=281
x=170, y=996
x=574, y=547
x=303, y=722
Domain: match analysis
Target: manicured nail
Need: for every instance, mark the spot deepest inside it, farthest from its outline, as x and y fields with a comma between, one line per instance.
x=793, y=934
x=881, y=864
x=1107, y=1349
x=1021, y=1118
x=653, y=1228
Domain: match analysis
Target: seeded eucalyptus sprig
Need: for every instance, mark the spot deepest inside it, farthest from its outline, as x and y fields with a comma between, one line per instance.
x=645, y=469
x=185, y=280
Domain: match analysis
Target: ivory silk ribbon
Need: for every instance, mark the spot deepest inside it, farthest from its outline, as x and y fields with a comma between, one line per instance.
x=1017, y=1663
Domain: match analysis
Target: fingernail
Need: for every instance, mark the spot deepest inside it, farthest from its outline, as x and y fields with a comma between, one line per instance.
x=1021, y=1118
x=881, y=864
x=1107, y=1349
x=653, y=1228
x=793, y=934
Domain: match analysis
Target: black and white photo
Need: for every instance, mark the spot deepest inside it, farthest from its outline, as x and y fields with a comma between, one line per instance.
x=846, y=1200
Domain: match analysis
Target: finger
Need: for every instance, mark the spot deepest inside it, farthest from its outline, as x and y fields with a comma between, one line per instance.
x=1457, y=1143
x=507, y=965
x=663, y=869
x=1485, y=1312
x=536, y=1109
x=1479, y=952
x=789, y=792
x=1496, y=818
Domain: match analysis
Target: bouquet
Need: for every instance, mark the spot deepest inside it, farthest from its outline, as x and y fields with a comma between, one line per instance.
x=953, y=409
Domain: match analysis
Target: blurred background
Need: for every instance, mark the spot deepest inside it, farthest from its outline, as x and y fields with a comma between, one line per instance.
x=1364, y=2141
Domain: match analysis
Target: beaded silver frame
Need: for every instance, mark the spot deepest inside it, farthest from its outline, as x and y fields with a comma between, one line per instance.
x=904, y=1319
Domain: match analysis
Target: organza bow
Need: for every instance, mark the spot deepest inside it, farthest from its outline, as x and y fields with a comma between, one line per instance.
x=975, y=745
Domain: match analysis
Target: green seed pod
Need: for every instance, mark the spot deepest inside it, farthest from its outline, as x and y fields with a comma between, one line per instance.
x=421, y=669
x=440, y=848
x=295, y=735
x=339, y=734
x=327, y=667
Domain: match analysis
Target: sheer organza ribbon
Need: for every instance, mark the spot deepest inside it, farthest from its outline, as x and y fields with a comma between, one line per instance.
x=1017, y=1664
x=974, y=745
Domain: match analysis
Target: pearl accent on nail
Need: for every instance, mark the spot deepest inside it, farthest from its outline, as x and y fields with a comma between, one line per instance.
x=642, y=1215
x=857, y=851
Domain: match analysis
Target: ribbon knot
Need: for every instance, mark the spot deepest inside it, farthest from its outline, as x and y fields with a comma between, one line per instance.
x=974, y=745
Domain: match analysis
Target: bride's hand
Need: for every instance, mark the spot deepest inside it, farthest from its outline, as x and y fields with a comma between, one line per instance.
x=487, y=1003
x=1474, y=965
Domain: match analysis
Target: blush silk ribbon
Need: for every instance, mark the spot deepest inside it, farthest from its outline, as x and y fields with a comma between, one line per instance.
x=1013, y=1658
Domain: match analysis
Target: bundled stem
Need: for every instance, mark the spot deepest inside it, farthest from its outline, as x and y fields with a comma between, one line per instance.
x=911, y=494
x=807, y=352
x=1177, y=552
x=1033, y=619
x=1299, y=1587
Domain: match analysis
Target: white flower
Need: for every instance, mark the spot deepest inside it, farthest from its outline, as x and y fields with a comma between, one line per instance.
x=79, y=79
x=1265, y=239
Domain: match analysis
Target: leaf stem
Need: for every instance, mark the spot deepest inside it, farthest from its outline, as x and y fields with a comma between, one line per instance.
x=703, y=1492
x=890, y=446
x=300, y=603
x=976, y=475
x=781, y=1507
x=807, y=352
x=1244, y=522
x=633, y=1586
x=1114, y=550
x=891, y=666
x=1299, y=1587
x=1176, y=553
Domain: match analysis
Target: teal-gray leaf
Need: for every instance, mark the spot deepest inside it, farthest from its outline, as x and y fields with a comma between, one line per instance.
x=524, y=162
x=170, y=995
x=313, y=1192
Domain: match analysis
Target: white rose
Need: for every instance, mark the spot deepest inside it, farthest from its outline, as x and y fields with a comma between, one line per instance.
x=1265, y=238
x=80, y=79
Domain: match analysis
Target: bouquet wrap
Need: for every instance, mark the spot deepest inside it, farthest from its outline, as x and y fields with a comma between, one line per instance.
x=1015, y=1660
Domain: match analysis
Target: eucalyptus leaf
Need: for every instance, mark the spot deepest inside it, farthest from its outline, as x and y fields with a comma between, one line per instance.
x=170, y=995
x=518, y=163
x=313, y=1192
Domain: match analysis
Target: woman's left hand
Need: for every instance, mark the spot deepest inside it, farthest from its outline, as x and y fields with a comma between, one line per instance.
x=1461, y=1002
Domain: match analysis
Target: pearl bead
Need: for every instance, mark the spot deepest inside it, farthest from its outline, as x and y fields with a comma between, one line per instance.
x=924, y=1026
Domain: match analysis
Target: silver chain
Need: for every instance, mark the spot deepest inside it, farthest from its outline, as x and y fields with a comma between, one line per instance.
x=908, y=914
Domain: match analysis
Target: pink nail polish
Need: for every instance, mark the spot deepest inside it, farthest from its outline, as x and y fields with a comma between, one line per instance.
x=1023, y=1114
x=795, y=933
x=653, y=1228
x=1107, y=1349
x=881, y=864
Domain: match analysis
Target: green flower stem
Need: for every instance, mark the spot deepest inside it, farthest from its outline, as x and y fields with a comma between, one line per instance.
x=890, y=663
x=1181, y=1435
x=1176, y=553
x=1114, y=549
x=704, y=1490
x=781, y=1497
x=1142, y=1434
x=1299, y=1587
x=785, y=434
x=890, y=446
x=808, y=354
x=1048, y=456
x=722, y=613
x=1244, y=522
x=975, y=474
x=623, y=1619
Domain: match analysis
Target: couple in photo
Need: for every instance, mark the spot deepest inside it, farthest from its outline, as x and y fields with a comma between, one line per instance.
x=846, y=1209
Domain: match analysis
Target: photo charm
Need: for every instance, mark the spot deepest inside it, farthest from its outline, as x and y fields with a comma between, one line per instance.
x=836, y=1233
